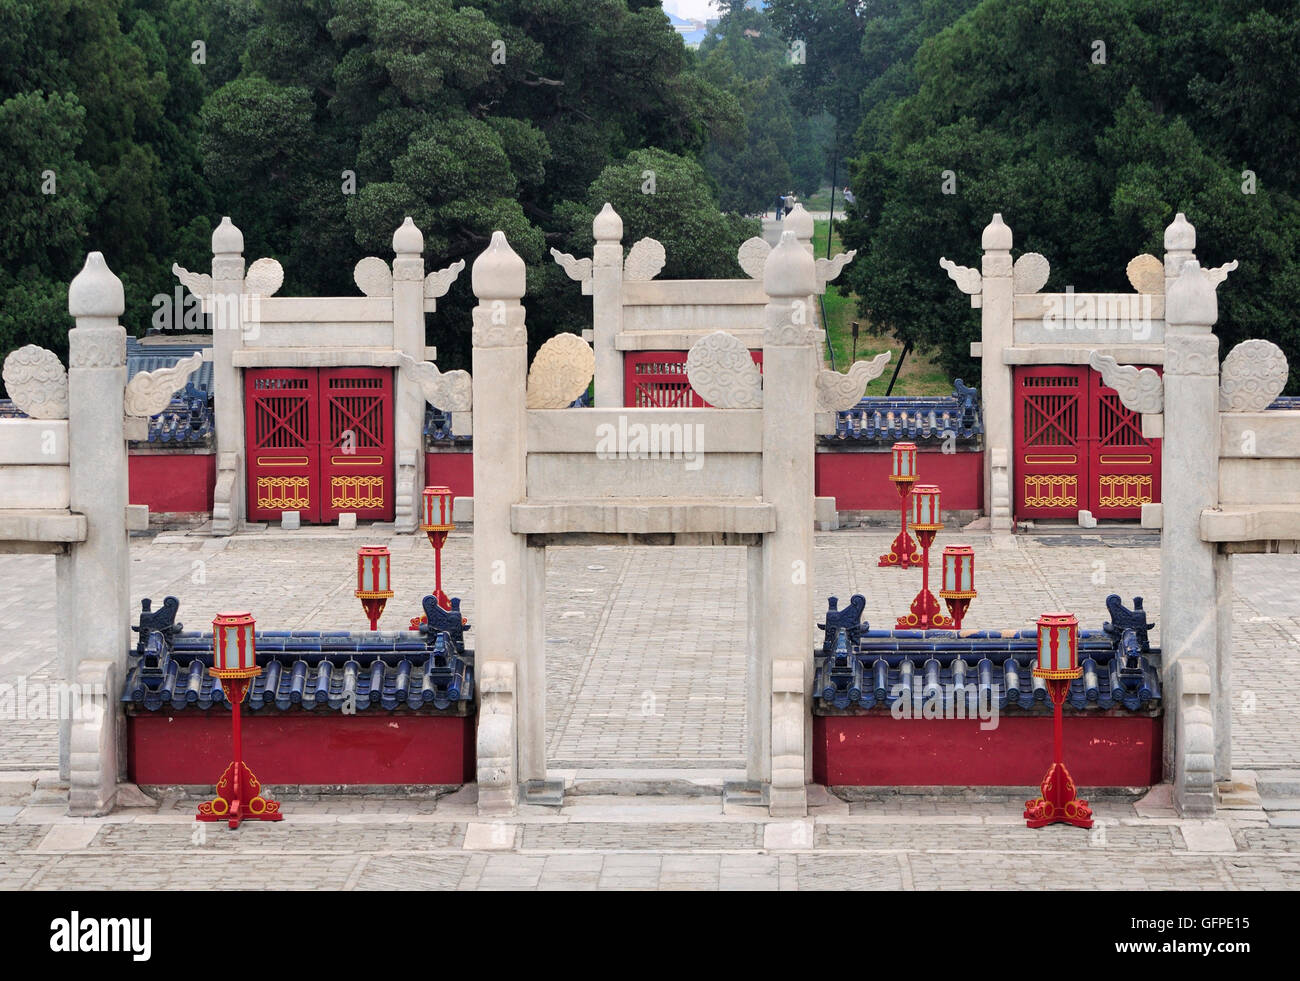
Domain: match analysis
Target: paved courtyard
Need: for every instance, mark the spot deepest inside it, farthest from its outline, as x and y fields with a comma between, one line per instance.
x=645, y=664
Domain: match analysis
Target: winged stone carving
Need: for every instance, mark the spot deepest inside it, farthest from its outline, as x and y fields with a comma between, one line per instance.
x=968, y=280
x=1140, y=389
x=439, y=281
x=752, y=256
x=37, y=382
x=373, y=277
x=200, y=284
x=149, y=392
x=1220, y=273
x=560, y=373
x=837, y=392
x=263, y=278
x=829, y=269
x=720, y=369
x=644, y=261
x=451, y=391
x=578, y=270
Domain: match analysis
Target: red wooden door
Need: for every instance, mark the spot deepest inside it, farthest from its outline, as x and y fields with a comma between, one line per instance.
x=1124, y=468
x=356, y=427
x=1049, y=414
x=657, y=379
x=282, y=444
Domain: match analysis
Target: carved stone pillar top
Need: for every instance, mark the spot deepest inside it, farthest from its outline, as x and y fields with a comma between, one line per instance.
x=227, y=239
x=96, y=292
x=790, y=272
x=499, y=273
x=997, y=236
x=408, y=240
x=607, y=226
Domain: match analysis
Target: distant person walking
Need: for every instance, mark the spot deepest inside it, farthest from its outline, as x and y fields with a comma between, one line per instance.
x=848, y=196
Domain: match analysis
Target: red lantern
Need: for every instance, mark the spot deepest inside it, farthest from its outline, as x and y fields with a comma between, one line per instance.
x=437, y=523
x=234, y=660
x=926, y=515
x=958, y=586
x=902, y=471
x=1058, y=664
x=374, y=581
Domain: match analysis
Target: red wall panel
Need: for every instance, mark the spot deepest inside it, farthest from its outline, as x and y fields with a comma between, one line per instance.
x=860, y=481
x=175, y=482
x=454, y=469
x=303, y=748
x=880, y=751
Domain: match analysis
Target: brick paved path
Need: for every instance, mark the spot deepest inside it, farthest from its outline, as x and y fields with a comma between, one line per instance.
x=645, y=664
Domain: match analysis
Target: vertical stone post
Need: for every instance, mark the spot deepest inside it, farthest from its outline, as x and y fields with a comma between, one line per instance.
x=229, y=508
x=1189, y=485
x=100, y=570
x=789, y=406
x=1221, y=677
x=408, y=401
x=607, y=306
x=501, y=572
x=997, y=325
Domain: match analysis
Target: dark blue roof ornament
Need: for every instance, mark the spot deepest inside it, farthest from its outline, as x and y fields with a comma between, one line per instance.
x=848, y=619
x=1122, y=618
x=441, y=621
x=161, y=621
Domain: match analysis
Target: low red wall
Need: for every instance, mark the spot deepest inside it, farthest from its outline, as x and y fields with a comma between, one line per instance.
x=860, y=481
x=452, y=468
x=175, y=482
x=878, y=750
x=193, y=747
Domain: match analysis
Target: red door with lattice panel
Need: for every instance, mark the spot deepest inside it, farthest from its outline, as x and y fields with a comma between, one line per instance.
x=1050, y=415
x=356, y=457
x=657, y=379
x=1123, y=468
x=282, y=443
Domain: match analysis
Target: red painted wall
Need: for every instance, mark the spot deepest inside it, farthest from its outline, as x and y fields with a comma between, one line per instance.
x=860, y=481
x=453, y=468
x=172, y=481
x=303, y=748
x=878, y=751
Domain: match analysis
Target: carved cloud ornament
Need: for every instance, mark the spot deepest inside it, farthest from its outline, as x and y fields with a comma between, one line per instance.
x=578, y=270
x=1140, y=390
x=1253, y=375
x=644, y=261
x=720, y=369
x=373, y=277
x=263, y=278
x=451, y=391
x=149, y=392
x=560, y=372
x=439, y=281
x=838, y=392
x=829, y=269
x=1146, y=273
x=1030, y=272
x=37, y=382
x=968, y=280
x=752, y=256
x=200, y=284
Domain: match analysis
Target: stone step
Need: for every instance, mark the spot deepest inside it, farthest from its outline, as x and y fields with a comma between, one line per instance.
x=1278, y=783
x=1280, y=803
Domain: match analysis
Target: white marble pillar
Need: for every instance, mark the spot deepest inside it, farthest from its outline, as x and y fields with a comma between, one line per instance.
x=789, y=406
x=501, y=567
x=101, y=566
x=227, y=384
x=1189, y=484
x=1222, y=675
x=607, y=306
x=408, y=400
x=997, y=322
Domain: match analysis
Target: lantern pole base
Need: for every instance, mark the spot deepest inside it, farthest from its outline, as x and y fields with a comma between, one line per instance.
x=924, y=614
x=239, y=798
x=1059, y=803
x=903, y=552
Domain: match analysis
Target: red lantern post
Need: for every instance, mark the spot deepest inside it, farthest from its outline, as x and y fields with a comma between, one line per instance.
x=374, y=581
x=234, y=661
x=436, y=523
x=958, y=587
x=1058, y=664
x=927, y=519
x=902, y=471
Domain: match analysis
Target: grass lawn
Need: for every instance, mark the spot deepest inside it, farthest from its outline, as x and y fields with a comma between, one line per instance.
x=920, y=376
